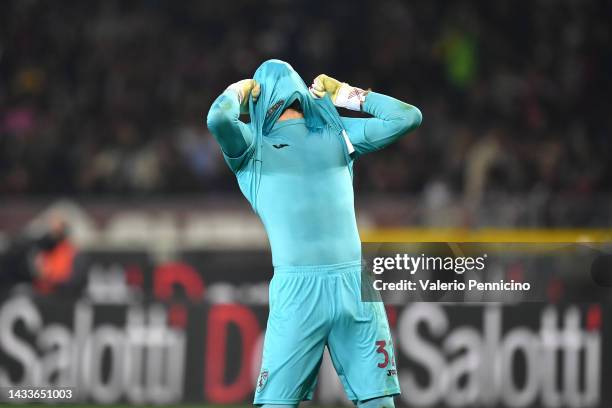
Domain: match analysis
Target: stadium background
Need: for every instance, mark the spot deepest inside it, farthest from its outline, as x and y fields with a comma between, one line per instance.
x=132, y=269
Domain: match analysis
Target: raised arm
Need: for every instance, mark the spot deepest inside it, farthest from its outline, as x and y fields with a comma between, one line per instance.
x=223, y=118
x=391, y=119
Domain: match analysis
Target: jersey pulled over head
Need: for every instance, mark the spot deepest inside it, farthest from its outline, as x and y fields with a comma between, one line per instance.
x=281, y=86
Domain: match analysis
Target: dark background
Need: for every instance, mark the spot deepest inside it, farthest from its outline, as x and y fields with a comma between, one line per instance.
x=108, y=97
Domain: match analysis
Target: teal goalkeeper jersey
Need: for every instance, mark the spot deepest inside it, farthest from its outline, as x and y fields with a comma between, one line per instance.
x=305, y=188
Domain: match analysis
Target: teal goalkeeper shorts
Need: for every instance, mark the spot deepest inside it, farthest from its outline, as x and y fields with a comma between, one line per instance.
x=317, y=306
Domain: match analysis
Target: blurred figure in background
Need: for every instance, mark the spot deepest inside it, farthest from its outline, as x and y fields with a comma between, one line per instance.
x=45, y=260
x=94, y=97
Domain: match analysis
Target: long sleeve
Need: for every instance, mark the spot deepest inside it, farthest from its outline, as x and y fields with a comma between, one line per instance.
x=223, y=120
x=391, y=120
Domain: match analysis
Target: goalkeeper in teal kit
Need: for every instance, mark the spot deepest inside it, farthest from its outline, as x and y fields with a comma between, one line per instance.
x=294, y=163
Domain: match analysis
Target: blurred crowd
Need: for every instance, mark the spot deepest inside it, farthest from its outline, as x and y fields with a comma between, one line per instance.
x=108, y=97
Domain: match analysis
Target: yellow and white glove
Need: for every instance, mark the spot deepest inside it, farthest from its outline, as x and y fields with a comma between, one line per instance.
x=342, y=94
x=245, y=88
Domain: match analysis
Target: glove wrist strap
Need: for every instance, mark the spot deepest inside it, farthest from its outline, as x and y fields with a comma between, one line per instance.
x=238, y=89
x=350, y=97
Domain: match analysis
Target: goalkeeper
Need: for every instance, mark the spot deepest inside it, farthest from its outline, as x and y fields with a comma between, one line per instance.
x=294, y=163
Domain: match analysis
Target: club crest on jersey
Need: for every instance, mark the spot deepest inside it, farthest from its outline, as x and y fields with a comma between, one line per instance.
x=262, y=380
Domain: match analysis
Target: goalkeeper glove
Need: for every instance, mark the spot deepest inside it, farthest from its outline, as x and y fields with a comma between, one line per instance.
x=342, y=94
x=243, y=89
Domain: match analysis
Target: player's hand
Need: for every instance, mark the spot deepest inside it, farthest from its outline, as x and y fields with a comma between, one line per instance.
x=324, y=84
x=244, y=89
x=341, y=94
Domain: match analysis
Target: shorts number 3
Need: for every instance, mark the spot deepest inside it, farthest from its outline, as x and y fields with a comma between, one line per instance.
x=381, y=349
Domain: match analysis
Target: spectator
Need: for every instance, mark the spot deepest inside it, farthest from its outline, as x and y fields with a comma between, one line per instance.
x=107, y=97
